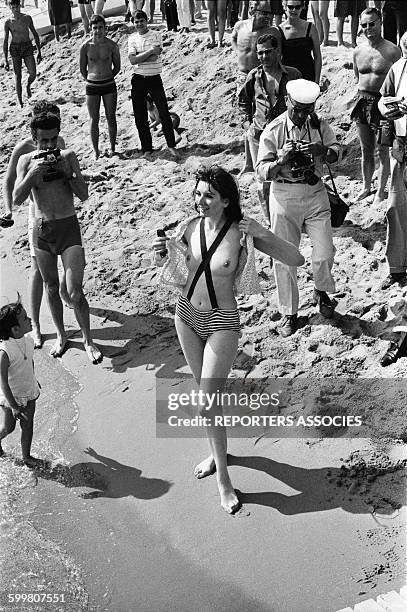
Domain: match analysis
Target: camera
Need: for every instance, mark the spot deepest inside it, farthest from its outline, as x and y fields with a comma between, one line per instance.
x=302, y=165
x=50, y=157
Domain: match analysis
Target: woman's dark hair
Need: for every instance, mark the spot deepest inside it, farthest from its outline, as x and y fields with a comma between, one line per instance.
x=8, y=318
x=225, y=184
x=44, y=121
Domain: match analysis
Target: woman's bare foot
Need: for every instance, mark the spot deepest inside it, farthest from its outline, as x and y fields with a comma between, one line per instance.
x=228, y=498
x=94, y=354
x=363, y=194
x=379, y=197
x=205, y=468
x=37, y=337
x=59, y=347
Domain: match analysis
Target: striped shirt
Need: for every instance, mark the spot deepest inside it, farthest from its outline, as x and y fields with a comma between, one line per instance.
x=138, y=43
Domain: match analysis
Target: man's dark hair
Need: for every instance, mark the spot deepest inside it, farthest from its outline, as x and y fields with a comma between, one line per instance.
x=140, y=15
x=371, y=10
x=8, y=318
x=97, y=19
x=43, y=106
x=265, y=38
x=44, y=121
x=225, y=184
x=14, y=2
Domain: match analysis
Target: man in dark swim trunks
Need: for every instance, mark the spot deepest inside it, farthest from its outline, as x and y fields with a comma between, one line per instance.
x=53, y=177
x=371, y=62
x=99, y=64
x=19, y=26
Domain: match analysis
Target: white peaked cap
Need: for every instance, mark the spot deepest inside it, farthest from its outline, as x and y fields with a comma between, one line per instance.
x=302, y=91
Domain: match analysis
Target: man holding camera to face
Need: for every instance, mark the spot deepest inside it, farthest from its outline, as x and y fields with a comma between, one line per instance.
x=292, y=151
x=53, y=177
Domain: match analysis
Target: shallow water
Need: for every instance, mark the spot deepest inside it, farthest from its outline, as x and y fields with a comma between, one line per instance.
x=29, y=561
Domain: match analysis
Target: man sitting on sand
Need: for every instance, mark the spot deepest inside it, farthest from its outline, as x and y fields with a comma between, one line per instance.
x=35, y=290
x=53, y=177
x=155, y=121
x=371, y=63
x=19, y=26
x=99, y=64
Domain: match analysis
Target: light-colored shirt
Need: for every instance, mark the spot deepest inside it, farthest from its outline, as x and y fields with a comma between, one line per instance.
x=395, y=84
x=21, y=378
x=138, y=43
x=277, y=133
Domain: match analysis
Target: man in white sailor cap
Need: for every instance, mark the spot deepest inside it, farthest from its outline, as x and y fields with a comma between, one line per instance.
x=291, y=155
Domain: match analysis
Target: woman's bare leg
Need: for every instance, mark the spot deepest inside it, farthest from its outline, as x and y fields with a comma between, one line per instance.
x=210, y=363
x=219, y=355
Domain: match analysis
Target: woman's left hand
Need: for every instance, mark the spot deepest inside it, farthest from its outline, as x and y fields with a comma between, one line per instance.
x=250, y=226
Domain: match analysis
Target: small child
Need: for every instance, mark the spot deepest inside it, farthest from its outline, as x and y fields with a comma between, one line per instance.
x=18, y=385
x=155, y=120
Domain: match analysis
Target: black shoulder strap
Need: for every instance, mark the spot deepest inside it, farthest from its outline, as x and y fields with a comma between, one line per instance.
x=308, y=30
x=315, y=122
x=206, y=257
x=281, y=32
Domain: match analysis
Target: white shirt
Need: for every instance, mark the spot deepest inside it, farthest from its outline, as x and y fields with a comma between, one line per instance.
x=278, y=132
x=142, y=42
x=396, y=84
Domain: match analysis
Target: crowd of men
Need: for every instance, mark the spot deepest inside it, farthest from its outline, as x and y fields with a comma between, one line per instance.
x=286, y=144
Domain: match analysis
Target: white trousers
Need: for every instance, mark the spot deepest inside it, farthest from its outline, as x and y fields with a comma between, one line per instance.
x=293, y=206
x=184, y=14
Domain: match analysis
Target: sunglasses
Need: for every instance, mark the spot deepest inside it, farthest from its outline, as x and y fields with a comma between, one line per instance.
x=369, y=24
x=294, y=7
x=301, y=109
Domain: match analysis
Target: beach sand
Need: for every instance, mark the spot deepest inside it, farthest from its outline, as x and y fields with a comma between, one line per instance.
x=124, y=525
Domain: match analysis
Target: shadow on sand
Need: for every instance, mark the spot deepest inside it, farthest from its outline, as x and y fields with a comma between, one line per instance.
x=318, y=489
x=107, y=477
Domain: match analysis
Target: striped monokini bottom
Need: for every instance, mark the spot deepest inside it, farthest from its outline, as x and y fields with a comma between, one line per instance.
x=206, y=322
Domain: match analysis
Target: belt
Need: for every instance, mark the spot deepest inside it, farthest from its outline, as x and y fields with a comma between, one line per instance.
x=281, y=180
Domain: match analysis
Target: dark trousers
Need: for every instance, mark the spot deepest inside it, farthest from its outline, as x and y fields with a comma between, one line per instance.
x=153, y=85
x=394, y=20
x=234, y=15
x=171, y=15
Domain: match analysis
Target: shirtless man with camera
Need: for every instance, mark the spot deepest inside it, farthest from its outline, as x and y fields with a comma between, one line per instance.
x=53, y=177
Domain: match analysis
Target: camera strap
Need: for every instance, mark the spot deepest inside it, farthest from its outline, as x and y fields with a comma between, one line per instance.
x=317, y=124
